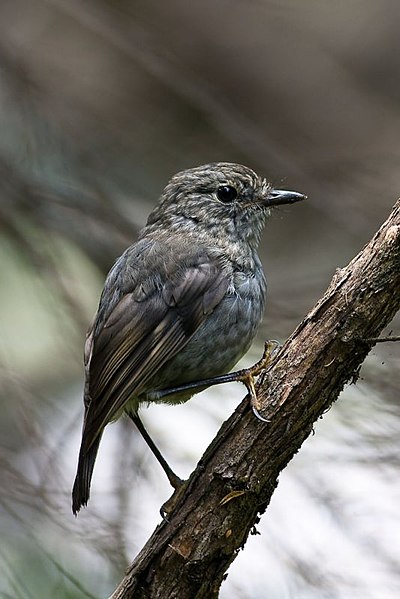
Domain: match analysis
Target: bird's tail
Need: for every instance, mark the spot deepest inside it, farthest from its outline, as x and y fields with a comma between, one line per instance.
x=81, y=489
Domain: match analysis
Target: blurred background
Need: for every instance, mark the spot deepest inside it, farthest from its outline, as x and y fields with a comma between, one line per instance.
x=100, y=103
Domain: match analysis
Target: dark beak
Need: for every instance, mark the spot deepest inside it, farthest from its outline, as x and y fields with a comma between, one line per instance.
x=276, y=197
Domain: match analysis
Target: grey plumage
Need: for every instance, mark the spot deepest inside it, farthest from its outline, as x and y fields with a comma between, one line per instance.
x=181, y=304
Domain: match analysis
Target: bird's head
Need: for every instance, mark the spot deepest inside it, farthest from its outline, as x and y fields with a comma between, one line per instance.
x=219, y=199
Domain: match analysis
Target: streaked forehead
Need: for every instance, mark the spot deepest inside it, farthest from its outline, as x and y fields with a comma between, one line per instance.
x=219, y=172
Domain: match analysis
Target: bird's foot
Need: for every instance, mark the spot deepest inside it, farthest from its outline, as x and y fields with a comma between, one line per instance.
x=174, y=480
x=247, y=375
x=168, y=507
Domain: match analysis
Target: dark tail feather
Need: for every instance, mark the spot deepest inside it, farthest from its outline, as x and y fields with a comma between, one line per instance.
x=81, y=490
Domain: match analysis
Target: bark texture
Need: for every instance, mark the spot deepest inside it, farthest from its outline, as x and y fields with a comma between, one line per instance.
x=234, y=481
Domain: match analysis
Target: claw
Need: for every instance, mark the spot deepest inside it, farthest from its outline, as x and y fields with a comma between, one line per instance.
x=258, y=415
x=271, y=349
x=168, y=507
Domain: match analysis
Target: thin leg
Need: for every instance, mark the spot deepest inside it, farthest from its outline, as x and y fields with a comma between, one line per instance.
x=174, y=480
x=245, y=376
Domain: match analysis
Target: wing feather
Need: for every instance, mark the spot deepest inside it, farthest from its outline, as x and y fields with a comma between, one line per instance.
x=145, y=329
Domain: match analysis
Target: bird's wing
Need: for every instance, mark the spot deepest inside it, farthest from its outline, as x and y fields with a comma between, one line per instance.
x=148, y=326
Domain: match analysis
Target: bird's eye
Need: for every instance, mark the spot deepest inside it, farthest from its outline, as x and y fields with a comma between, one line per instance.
x=226, y=193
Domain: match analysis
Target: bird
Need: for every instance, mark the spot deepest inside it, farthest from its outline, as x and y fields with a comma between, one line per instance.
x=180, y=306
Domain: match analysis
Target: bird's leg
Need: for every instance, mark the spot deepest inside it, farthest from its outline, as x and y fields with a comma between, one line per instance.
x=245, y=376
x=174, y=480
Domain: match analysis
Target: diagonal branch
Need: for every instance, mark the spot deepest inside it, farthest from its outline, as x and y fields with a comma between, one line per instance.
x=234, y=481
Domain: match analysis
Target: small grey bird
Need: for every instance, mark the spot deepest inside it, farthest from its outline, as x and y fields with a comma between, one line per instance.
x=180, y=306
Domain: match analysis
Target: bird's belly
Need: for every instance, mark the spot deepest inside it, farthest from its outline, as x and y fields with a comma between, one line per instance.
x=216, y=346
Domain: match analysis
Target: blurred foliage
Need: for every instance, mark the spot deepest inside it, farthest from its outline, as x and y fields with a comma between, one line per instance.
x=101, y=102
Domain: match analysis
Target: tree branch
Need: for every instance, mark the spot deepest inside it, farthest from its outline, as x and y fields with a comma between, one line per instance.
x=234, y=481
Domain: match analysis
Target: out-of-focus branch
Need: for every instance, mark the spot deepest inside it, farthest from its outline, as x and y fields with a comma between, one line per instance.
x=384, y=339
x=234, y=481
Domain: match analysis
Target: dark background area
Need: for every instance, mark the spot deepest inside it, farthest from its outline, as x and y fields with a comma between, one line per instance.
x=100, y=103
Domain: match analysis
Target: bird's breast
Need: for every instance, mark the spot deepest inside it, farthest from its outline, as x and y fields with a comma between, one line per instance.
x=222, y=339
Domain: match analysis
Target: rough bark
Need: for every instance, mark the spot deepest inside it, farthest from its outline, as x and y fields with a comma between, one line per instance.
x=234, y=481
